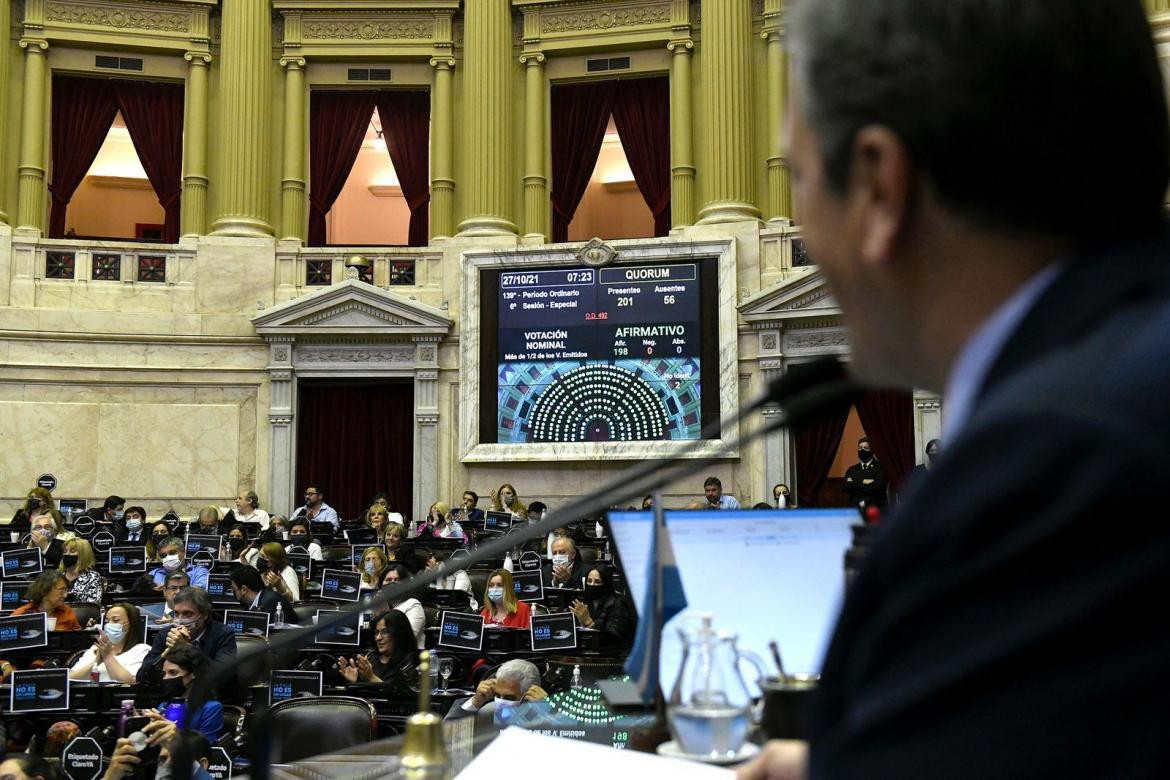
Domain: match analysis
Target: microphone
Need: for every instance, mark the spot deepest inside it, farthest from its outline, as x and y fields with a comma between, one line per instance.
x=804, y=393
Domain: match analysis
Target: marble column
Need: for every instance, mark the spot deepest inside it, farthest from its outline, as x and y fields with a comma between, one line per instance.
x=682, y=153
x=536, y=207
x=779, y=204
x=5, y=91
x=193, y=217
x=245, y=101
x=487, y=57
x=443, y=149
x=281, y=413
x=32, y=192
x=727, y=68
x=293, y=218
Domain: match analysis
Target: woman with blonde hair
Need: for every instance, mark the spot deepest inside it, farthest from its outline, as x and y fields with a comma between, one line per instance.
x=378, y=518
x=501, y=607
x=504, y=499
x=85, y=582
x=395, y=536
x=373, y=564
x=441, y=524
x=272, y=563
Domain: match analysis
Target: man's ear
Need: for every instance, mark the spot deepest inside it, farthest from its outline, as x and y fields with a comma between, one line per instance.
x=203, y=762
x=881, y=186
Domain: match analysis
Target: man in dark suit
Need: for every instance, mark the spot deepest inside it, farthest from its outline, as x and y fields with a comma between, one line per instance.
x=192, y=625
x=252, y=595
x=1009, y=249
x=566, y=569
x=131, y=530
x=865, y=481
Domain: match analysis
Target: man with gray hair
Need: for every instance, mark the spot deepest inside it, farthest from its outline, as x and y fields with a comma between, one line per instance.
x=515, y=681
x=192, y=624
x=992, y=232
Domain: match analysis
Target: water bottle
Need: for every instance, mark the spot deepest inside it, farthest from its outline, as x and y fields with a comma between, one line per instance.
x=278, y=621
x=598, y=531
x=608, y=553
x=576, y=681
x=508, y=562
x=126, y=714
x=551, y=538
x=413, y=529
x=434, y=675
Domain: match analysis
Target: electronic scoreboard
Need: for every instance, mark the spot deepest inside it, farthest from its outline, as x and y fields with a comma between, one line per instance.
x=585, y=354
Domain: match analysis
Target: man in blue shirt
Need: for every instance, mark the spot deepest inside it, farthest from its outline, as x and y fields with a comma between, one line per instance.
x=172, y=553
x=713, y=489
x=315, y=508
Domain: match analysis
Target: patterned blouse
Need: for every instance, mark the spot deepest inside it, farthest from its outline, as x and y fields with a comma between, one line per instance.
x=88, y=586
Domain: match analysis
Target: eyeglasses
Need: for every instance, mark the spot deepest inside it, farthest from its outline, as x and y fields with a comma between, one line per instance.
x=382, y=632
x=311, y=493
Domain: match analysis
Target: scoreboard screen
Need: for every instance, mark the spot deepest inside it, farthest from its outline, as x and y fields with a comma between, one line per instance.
x=586, y=354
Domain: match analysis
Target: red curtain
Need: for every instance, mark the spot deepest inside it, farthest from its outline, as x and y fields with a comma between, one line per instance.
x=153, y=112
x=406, y=126
x=580, y=113
x=337, y=125
x=356, y=440
x=83, y=110
x=816, y=446
x=641, y=111
x=888, y=419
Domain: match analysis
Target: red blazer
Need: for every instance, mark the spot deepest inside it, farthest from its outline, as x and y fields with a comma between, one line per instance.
x=518, y=619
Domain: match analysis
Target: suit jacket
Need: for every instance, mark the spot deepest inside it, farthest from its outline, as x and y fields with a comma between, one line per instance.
x=218, y=643
x=268, y=601
x=576, y=575
x=999, y=627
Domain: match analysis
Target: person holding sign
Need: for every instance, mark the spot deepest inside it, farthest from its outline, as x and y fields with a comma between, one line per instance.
x=501, y=608
x=162, y=733
x=47, y=594
x=85, y=582
x=394, y=660
x=603, y=609
x=118, y=653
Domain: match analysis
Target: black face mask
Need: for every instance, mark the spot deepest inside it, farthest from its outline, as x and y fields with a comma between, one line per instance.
x=159, y=537
x=173, y=688
x=594, y=592
x=865, y=456
x=262, y=565
x=34, y=503
x=69, y=560
x=300, y=539
x=236, y=544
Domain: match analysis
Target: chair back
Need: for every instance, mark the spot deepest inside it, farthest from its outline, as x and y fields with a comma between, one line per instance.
x=306, y=727
x=86, y=611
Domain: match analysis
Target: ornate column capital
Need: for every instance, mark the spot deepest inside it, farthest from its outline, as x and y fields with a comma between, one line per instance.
x=35, y=43
x=292, y=63
x=442, y=63
x=533, y=58
x=197, y=57
x=681, y=46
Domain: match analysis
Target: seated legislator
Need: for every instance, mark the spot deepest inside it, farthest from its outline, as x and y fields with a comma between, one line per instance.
x=378, y=519
x=49, y=534
x=173, y=553
x=603, y=609
x=182, y=666
x=440, y=524
x=275, y=571
x=300, y=535
x=234, y=543
x=38, y=499
x=372, y=566
x=565, y=570
x=47, y=594
x=501, y=608
x=394, y=661
x=191, y=625
x=250, y=591
x=514, y=681
x=130, y=531
x=208, y=521
x=159, y=533
x=85, y=582
x=457, y=581
x=395, y=536
x=119, y=651
x=506, y=500
x=411, y=607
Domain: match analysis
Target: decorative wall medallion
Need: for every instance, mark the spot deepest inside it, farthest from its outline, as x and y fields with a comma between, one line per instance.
x=768, y=341
x=280, y=354
x=597, y=253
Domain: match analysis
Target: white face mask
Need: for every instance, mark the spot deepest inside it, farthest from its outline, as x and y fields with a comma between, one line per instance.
x=118, y=514
x=504, y=704
x=495, y=594
x=560, y=559
x=114, y=632
x=171, y=562
x=371, y=567
x=47, y=533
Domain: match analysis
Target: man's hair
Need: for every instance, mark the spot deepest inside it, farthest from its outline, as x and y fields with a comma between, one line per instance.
x=936, y=443
x=175, y=576
x=566, y=538
x=537, y=507
x=712, y=482
x=863, y=440
x=316, y=486
x=473, y=494
x=1030, y=116
x=524, y=672
x=253, y=499
x=171, y=541
x=192, y=743
x=247, y=577
x=113, y=502
x=189, y=657
x=137, y=509
x=196, y=597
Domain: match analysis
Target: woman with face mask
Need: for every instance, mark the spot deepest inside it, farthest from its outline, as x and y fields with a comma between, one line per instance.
x=85, y=583
x=119, y=650
x=158, y=532
x=372, y=565
x=504, y=499
x=272, y=563
x=441, y=525
x=48, y=533
x=183, y=664
x=234, y=544
x=604, y=610
x=299, y=535
x=501, y=608
x=394, y=660
x=39, y=500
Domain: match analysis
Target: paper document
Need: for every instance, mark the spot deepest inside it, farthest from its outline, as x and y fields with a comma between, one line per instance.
x=517, y=753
